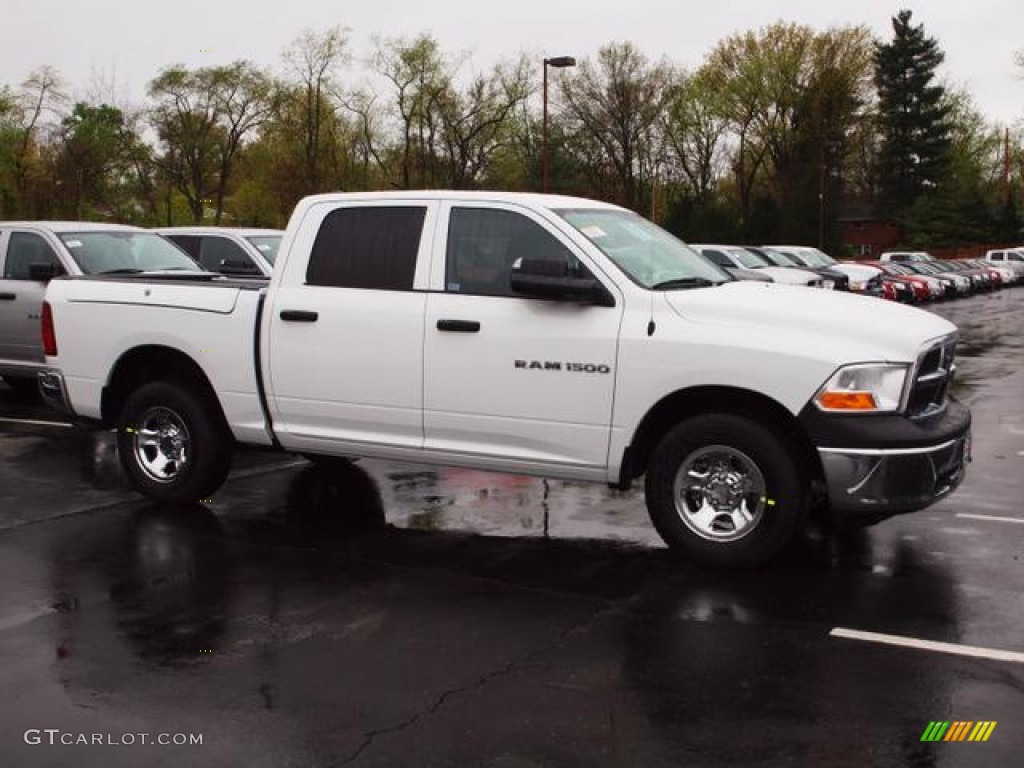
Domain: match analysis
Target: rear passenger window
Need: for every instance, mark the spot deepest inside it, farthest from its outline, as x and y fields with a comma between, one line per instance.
x=215, y=252
x=484, y=243
x=25, y=249
x=367, y=247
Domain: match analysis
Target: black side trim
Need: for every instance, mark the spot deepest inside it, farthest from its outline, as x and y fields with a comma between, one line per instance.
x=884, y=431
x=258, y=364
x=188, y=278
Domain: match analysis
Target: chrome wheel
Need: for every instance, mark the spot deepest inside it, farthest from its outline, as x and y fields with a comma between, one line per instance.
x=162, y=444
x=719, y=493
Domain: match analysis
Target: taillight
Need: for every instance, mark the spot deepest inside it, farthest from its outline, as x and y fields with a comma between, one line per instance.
x=49, y=335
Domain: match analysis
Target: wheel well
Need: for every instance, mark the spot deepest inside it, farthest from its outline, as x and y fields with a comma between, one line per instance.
x=683, y=404
x=152, y=363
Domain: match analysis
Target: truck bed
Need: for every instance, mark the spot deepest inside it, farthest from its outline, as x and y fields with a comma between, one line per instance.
x=211, y=321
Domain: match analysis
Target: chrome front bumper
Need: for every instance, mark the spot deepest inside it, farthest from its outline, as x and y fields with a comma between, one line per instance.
x=883, y=482
x=54, y=392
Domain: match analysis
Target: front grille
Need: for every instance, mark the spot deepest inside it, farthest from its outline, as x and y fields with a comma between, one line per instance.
x=932, y=378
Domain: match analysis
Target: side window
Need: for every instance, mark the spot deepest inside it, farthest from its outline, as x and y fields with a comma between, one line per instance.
x=367, y=247
x=484, y=243
x=25, y=249
x=214, y=251
x=717, y=257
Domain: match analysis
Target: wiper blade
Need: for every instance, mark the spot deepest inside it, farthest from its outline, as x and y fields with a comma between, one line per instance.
x=120, y=272
x=683, y=282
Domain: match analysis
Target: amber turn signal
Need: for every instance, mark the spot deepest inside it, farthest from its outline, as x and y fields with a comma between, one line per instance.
x=847, y=401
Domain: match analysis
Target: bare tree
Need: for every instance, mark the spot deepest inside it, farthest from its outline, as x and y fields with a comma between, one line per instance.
x=612, y=109
x=312, y=60
x=41, y=92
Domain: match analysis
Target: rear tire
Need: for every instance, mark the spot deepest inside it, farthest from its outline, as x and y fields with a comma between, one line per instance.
x=725, y=490
x=173, y=443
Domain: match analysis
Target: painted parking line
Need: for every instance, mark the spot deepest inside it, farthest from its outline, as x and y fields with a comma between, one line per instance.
x=928, y=645
x=993, y=518
x=36, y=422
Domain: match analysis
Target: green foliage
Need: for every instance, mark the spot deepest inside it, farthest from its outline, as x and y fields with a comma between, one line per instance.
x=764, y=141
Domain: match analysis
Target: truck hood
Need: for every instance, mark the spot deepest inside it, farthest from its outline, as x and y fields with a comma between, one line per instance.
x=847, y=324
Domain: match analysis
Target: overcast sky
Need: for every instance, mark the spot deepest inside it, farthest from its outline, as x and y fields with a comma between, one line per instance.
x=129, y=41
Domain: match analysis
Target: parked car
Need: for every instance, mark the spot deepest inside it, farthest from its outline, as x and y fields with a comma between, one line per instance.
x=32, y=252
x=231, y=251
x=531, y=334
x=924, y=287
x=1010, y=258
x=981, y=279
x=832, y=278
x=721, y=260
x=1002, y=272
x=906, y=256
x=965, y=286
x=739, y=257
x=863, y=278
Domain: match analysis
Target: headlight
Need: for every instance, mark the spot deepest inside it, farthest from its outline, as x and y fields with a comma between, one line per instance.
x=863, y=388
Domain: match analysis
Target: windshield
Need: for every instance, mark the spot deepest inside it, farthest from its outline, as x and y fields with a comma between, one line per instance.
x=782, y=258
x=101, y=252
x=749, y=259
x=648, y=254
x=267, y=245
x=816, y=257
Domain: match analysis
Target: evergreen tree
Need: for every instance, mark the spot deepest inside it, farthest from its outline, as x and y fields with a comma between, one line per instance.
x=913, y=116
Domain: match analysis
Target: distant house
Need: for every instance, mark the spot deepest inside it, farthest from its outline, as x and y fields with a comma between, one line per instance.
x=865, y=235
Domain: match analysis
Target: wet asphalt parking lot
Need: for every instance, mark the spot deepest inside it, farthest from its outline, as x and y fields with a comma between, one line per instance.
x=392, y=615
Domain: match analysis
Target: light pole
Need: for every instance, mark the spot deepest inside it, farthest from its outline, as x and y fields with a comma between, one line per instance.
x=827, y=145
x=557, y=62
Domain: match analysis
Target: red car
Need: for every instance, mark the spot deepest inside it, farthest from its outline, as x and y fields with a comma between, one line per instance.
x=919, y=285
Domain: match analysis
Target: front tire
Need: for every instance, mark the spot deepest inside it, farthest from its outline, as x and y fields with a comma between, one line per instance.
x=725, y=490
x=173, y=443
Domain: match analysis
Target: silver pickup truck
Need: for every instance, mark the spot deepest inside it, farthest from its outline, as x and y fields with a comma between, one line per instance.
x=33, y=252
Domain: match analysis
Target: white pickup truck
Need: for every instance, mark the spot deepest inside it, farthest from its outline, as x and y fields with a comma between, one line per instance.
x=529, y=334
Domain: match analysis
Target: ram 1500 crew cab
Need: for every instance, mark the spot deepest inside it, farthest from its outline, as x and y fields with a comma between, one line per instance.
x=530, y=334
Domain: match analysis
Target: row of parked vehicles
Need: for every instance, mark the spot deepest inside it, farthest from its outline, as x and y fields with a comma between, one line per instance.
x=908, y=276
x=917, y=276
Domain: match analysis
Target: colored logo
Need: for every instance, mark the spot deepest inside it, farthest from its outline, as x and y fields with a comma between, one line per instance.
x=958, y=730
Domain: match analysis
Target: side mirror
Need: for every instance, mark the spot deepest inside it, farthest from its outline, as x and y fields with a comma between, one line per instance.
x=238, y=267
x=44, y=272
x=550, y=279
